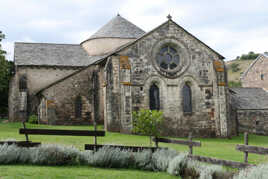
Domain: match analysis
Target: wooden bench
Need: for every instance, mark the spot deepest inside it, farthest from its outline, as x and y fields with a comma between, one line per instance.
x=27, y=132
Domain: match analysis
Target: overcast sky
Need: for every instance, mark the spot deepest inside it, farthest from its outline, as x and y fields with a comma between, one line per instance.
x=231, y=27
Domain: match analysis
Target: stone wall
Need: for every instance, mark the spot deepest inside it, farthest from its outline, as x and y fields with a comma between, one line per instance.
x=253, y=121
x=257, y=75
x=37, y=78
x=201, y=68
x=101, y=46
x=59, y=99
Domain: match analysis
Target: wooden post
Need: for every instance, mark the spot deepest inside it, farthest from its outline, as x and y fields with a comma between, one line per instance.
x=246, y=143
x=156, y=142
x=26, y=135
x=95, y=137
x=190, y=146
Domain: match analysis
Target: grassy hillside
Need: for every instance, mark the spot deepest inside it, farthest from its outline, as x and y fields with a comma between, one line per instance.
x=235, y=69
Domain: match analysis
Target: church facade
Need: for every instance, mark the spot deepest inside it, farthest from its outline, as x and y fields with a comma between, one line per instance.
x=121, y=69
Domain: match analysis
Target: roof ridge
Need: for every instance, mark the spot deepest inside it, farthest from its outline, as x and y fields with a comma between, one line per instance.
x=151, y=31
x=118, y=27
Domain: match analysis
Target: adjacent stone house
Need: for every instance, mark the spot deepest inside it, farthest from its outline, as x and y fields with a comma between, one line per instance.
x=121, y=69
x=249, y=110
x=257, y=73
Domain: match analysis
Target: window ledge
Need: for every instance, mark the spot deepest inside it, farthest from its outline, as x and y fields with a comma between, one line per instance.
x=187, y=113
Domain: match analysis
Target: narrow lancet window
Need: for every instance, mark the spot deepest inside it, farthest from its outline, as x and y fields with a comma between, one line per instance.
x=23, y=83
x=78, y=107
x=154, y=97
x=187, y=98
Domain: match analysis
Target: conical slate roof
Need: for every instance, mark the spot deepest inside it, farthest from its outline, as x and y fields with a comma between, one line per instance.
x=119, y=27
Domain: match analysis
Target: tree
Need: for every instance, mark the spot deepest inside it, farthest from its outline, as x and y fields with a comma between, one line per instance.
x=147, y=122
x=250, y=56
x=6, y=68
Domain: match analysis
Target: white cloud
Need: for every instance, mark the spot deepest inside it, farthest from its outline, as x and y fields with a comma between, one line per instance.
x=230, y=27
x=49, y=24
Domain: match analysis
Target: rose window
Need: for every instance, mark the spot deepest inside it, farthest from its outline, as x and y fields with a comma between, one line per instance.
x=168, y=58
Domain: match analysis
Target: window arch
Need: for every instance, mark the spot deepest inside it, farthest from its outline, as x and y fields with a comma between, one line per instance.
x=23, y=83
x=78, y=107
x=154, y=97
x=187, y=98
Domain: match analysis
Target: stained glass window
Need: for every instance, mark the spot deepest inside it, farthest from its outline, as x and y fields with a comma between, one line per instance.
x=187, y=98
x=154, y=97
x=168, y=58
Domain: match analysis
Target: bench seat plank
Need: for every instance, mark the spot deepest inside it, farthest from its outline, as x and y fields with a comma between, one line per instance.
x=62, y=132
x=121, y=147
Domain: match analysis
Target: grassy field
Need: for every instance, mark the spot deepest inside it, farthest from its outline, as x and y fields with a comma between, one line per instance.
x=219, y=148
x=73, y=172
x=242, y=65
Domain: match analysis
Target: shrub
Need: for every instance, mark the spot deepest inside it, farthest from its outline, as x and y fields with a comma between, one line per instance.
x=235, y=67
x=258, y=172
x=33, y=119
x=110, y=158
x=148, y=122
x=54, y=155
x=176, y=165
x=205, y=171
x=161, y=159
x=142, y=160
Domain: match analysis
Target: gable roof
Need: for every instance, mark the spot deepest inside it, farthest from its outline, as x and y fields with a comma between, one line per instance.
x=253, y=63
x=118, y=27
x=48, y=54
x=146, y=34
x=249, y=98
x=103, y=58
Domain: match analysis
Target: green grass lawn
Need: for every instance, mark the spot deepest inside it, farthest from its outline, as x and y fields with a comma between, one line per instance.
x=74, y=172
x=218, y=148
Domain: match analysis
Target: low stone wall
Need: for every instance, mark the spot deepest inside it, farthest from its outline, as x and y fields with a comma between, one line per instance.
x=253, y=121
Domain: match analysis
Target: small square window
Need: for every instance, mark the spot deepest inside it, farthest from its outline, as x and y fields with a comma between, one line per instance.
x=262, y=76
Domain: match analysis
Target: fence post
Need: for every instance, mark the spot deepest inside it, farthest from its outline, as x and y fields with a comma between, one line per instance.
x=156, y=141
x=26, y=135
x=246, y=143
x=95, y=137
x=190, y=138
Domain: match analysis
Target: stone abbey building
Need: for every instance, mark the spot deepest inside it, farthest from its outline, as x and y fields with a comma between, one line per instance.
x=121, y=69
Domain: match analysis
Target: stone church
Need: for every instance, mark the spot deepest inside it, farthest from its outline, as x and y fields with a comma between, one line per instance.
x=121, y=69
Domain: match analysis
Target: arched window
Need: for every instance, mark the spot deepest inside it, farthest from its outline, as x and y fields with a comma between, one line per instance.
x=154, y=97
x=187, y=98
x=23, y=83
x=78, y=107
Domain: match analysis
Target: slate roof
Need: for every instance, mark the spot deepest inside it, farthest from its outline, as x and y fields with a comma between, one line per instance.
x=249, y=98
x=47, y=54
x=119, y=27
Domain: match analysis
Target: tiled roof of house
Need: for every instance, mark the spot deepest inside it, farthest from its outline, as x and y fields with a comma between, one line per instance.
x=249, y=98
x=47, y=54
x=119, y=27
